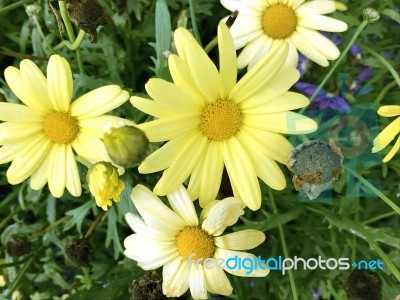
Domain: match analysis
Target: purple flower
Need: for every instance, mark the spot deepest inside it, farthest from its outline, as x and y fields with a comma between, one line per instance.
x=324, y=99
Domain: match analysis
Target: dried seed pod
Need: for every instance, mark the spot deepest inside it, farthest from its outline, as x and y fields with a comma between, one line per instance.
x=79, y=252
x=17, y=246
x=148, y=286
x=87, y=15
x=315, y=165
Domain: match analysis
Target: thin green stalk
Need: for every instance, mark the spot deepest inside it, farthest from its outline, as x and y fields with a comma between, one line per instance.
x=49, y=228
x=374, y=189
x=211, y=45
x=10, y=197
x=284, y=247
x=8, y=218
x=17, y=279
x=377, y=218
x=14, y=5
x=39, y=28
x=383, y=92
x=384, y=62
x=70, y=32
x=338, y=61
x=194, y=22
x=72, y=46
x=15, y=263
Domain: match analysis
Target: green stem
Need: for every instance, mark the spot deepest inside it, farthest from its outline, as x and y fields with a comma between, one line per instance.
x=338, y=61
x=384, y=62
x=70, y=32
x=39, y=28
x=194, y=22
x=284, y=247
x=14, y=5
x=211, y=45
x=384, y=91
x=374, y=189
x=72, y=46
x=15, y=263
x=10, y=197
x=49, y=228
x=17, y=279
x=8, y=218
x=377, y=218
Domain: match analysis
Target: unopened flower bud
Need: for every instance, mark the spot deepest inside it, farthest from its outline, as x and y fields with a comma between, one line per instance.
x=17, y=246
x=315, y=166
x=104, y=184
x=17, y=295
x=148, y=286
x=33, y=10
x=3, y=281
x=126, y=146
x=340, y=6
x=371, y=15
x=79, y=252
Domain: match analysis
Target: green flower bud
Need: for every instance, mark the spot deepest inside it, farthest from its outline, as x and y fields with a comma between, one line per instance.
x=33, y=10
x=315, y=166
x=371, y=15
x=126, y=146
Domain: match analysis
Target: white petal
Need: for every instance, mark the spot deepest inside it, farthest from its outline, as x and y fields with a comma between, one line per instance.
x=182, y=204
x=240, y=240
x=175, y=277
x=197, y=282
x=222, y=214
x=316, y=7
x=321, y=23
x=155, y=213
x=139, y=226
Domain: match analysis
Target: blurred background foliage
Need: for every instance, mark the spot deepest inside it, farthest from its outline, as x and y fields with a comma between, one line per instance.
x=128, y=53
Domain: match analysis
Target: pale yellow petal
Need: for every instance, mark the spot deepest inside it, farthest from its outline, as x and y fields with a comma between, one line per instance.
x=258, y=45
x=241, y=172
x=172, y=97
x=249, y=269
x=183, y=165
x=277, y=86
x=59, y=83
x=222, y=214
x=99, y=125
x=90, y=148
x=195, y=179
x=281, y=122
x=150, y=107
x=182, y=204
x=393, y=151
x=213, y=167
x=168, y=128
x=197, y=282
x=240, y=240
x=139, y=226
x=155, y=213
x=227, y=60
x=39, y=177
x=26, y=161
x=217, y=281
x=24, y=91
x=286, y=101
x=260, y=54
x=175, y=277
x=163, y=158
x=271, y=144
x=386, y=136
x=72, y=181
x=99, y=101
x=203, y=70
x=11, y=132
x=258, y=76
x=18, y=113
x=8, y=152
x=57, y=170
x=389, y=110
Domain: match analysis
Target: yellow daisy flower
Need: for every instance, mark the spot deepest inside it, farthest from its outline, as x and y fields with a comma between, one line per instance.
x=262, y=24
x=40, y=136
x=176, y=240
x=211, y=121
x=389, y=133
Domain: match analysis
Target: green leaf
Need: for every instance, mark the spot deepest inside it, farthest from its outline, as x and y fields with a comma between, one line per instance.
x=125, y=205
x=395, y=16
x=78, y=215
x=112, y=232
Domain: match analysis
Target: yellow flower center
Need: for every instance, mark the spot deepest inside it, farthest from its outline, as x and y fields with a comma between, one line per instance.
x=279, y=21
x=220, y=120
x=60, y=127
x=194, y=240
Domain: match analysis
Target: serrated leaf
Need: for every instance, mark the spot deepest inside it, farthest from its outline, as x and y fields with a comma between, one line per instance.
x=78, y=215
x=112, y=232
